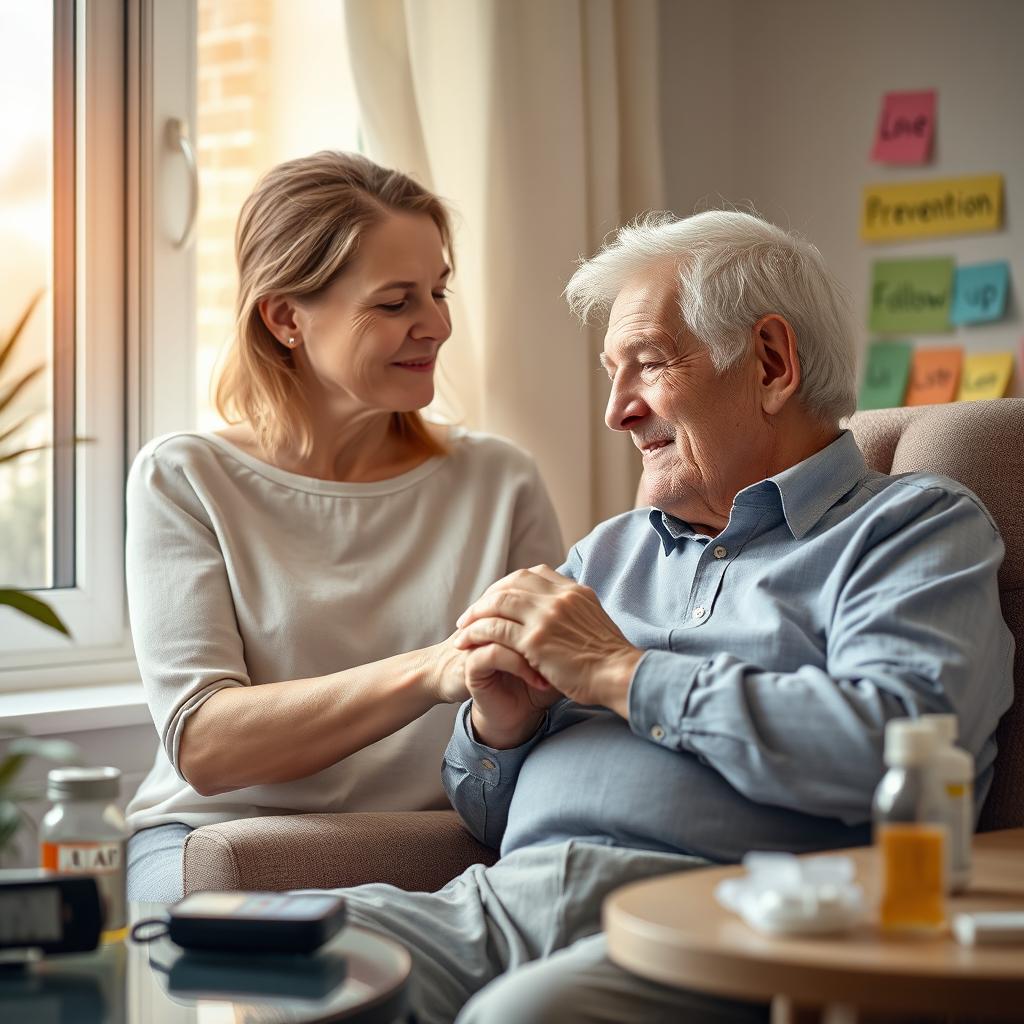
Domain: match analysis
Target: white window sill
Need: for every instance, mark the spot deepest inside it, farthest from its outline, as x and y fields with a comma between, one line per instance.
x=75, y=709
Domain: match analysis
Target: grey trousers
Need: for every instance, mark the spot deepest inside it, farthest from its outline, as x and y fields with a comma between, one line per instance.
x=154, y=863
x=520, y=942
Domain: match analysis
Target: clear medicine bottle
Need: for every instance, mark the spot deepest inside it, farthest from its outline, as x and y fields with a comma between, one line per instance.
x=955, y=770
x=911, y=834
x=84, y=833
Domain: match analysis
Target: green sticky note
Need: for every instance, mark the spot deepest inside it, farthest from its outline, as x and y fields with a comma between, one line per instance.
x=885, y=376
x=911, y=296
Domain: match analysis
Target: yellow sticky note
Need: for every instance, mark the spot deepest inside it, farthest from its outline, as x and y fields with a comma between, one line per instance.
x=920, y=209
x=985, y=376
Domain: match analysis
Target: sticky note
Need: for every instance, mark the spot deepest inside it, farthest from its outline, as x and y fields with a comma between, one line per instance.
x=911, y=296
x=905, y=128
x=934, y=376
x=885, y=376
x=985, y=375
x=922, y=209
x=979, y=293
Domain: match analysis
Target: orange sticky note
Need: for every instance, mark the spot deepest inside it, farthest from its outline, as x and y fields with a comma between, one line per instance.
x=985, y=375
x=934, y=376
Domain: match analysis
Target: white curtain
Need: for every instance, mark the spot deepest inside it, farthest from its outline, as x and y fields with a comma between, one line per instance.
x=538, y=121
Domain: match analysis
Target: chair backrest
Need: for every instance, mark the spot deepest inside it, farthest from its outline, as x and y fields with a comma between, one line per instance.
x=981, y=444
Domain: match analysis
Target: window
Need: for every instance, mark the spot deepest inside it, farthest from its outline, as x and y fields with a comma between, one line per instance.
x=252, y=84
x=273, y=84
x=37, y=221
x=61, y=228
x=142, y=128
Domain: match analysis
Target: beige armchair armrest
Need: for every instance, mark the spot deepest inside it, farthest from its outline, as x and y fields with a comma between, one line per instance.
x=418, y=851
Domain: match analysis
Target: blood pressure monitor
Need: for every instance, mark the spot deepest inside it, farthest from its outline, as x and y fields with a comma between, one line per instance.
x=49, y=913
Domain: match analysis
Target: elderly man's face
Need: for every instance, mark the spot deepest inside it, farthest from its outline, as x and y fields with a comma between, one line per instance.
x=700, y=433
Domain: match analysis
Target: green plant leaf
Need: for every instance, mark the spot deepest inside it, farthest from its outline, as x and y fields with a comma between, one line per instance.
x=52, y=750
x=12, y=339
x=10, y=821
x=9, y=768
x=34, y=609
x=18, y=386
x=18, y=452
x=12, y=430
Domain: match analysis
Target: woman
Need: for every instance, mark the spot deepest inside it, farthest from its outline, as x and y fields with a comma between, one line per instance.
x=293, y=577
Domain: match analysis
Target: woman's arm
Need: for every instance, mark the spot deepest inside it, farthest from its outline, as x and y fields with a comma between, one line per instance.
x=260, y=735
x=219, y=731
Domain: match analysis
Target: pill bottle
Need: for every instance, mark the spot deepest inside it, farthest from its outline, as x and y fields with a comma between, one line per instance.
x=911, y=836
x=84, y=833
x=955, y=770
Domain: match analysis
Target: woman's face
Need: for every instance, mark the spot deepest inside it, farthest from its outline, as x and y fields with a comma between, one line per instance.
x=374, y=334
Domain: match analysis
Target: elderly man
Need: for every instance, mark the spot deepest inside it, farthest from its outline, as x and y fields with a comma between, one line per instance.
x=713, y=674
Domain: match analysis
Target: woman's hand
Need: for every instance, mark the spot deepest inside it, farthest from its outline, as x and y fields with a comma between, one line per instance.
x=444, y=678
x=509, y=698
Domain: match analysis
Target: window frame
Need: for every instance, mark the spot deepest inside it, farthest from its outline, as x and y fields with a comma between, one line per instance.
x=94, y=609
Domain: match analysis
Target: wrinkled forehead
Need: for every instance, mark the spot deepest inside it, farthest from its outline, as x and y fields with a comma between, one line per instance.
x=646, y=307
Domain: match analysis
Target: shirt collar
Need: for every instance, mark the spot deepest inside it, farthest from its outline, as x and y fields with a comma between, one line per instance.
x=810, y=488
x=806, y=491
x=668, y=528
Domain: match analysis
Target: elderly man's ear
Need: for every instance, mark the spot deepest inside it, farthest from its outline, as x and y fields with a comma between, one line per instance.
x=776, y=362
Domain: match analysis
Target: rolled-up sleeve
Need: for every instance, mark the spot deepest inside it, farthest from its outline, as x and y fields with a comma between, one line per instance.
x=182, y=615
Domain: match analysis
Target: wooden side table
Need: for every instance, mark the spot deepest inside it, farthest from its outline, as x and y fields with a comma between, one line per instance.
x=671, y=929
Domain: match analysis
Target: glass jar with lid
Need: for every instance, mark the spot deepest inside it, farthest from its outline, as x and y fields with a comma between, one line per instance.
x=84, y=833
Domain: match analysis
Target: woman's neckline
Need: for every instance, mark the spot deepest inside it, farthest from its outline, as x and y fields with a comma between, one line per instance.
x=318, y=485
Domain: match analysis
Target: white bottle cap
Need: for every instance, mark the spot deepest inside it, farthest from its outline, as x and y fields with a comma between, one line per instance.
x=946, y=726
x=909, y=742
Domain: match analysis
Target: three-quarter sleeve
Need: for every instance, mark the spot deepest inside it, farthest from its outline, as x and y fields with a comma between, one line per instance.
x=182, y=615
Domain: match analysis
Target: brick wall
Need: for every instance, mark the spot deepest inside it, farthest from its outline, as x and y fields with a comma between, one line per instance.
x=233, y=114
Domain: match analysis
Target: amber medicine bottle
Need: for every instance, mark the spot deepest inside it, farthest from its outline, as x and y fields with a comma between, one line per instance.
x=911, y=834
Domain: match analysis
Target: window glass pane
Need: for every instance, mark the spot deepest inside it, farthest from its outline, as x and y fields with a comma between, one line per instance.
x=26, y=232
x=274, y=84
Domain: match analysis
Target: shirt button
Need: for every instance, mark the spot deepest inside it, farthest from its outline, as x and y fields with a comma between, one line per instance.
x=720, y=552
x=699, y=613
x=487, y=763
x=657, y=733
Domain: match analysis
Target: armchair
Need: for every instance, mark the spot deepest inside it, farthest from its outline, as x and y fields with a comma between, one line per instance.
x=980, y=444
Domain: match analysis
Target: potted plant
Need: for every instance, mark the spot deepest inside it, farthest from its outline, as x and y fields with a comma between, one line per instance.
x=21, y=747
x=12, y=795
x=24, y=603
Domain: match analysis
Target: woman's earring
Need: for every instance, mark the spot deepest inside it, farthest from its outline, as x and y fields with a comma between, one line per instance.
x=290, y=343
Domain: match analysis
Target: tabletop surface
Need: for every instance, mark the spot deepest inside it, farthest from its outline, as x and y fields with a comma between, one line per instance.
x=673, y=930
x=356, y=976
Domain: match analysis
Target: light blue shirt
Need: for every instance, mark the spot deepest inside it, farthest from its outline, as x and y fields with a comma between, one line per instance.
x=835, y=599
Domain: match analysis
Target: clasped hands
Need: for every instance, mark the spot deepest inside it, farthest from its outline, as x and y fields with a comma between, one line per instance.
x=532, y=638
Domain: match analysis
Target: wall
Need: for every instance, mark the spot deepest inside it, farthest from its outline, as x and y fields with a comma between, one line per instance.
x=777, y=103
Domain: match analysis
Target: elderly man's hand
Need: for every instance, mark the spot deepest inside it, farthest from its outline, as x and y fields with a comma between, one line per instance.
x=562, y=632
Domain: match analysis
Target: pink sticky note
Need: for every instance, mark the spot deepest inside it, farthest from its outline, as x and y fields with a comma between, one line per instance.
x=905, y=128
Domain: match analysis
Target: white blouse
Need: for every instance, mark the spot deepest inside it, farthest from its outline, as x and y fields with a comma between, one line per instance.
x=240, y=573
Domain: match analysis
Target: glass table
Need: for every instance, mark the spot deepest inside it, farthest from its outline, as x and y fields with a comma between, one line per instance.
x=357, y=976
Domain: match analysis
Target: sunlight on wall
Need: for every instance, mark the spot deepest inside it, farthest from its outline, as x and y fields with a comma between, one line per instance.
x=274, y=84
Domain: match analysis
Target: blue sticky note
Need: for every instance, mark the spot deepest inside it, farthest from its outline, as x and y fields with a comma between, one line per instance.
x=979, y=293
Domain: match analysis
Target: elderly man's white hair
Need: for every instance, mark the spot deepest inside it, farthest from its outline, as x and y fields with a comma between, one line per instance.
x=735, y=268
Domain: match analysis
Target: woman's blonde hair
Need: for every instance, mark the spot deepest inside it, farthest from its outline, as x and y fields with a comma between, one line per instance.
x=298, y=230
